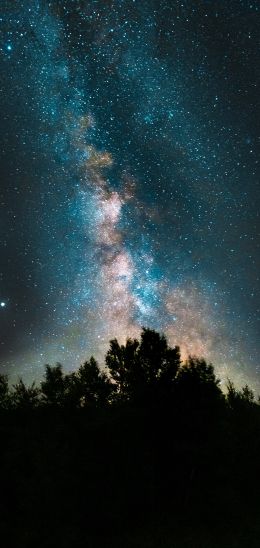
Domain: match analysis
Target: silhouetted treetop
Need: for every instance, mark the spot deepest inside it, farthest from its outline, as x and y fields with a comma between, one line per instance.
x=53, y=386
x=25, y=397
x=198, y=391
x=87, y=386
x=94, y=385
x=144, y=372
x=140, y=368
x=240, y=399
x=198, y=371
x=4, y=392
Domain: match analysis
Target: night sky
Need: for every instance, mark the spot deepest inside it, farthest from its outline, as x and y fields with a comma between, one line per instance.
x=129, y=180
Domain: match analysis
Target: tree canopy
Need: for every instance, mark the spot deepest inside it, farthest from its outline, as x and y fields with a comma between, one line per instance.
x=146, y=450
x=144, y=372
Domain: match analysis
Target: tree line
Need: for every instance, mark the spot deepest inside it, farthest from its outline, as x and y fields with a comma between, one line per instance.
x=147, y=452
x=145, y=372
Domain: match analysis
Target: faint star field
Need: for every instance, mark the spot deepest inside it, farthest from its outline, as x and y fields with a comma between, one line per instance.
x=129, y=186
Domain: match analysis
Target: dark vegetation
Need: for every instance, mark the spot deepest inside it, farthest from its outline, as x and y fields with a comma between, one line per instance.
x=149, y=454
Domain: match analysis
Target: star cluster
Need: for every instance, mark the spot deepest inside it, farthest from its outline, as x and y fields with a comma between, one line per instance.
x=129, y=180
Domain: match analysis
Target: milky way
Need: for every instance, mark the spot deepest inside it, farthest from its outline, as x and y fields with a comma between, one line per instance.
x=129, y=180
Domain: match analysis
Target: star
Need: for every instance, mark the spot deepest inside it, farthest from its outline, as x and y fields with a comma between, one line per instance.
x=142, y=215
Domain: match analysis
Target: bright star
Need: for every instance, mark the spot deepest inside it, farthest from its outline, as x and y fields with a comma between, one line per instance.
x=2, y=304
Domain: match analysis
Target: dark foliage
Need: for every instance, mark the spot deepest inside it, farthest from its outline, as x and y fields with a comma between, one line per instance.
x=145, y=370
x=4, y=392
x=148, y=454
x=24, y=397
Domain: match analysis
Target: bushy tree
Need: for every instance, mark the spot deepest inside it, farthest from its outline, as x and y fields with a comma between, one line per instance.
x=160, y=362
x=199, y=371
x=53, y=386
x=25, y=397
x=87, y=386
x=238, y=399
x=143, y=369
x=197, y=386
x=70, y=390
x=123, y=364
x=94, y=387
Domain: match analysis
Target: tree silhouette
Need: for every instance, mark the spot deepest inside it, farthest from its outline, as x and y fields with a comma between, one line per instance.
x=25, y=397
x=198, y=392
x=94, y=387
x=238, y=399
x=71, y=396
x=4, y=392
x=143, y=370
x=197, y=374
x=53, y=386
x=124, y=368
x=159, y=362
